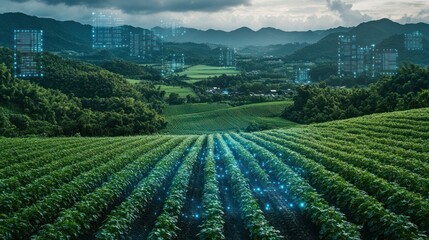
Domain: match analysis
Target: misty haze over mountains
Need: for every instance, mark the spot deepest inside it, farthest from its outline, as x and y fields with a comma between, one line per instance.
x=70, y=35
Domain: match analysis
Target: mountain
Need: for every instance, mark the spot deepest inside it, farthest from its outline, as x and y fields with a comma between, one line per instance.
x=277, y=50
x=397, y=42
x=58, y=35
x=74, y=36
x=373, y=32
x=69, y=35
x=244, y=36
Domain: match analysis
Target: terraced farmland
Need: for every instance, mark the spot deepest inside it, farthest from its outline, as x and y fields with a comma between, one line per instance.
x=360, y=178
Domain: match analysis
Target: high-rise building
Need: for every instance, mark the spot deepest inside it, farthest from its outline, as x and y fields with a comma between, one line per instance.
x=28, y=53
x=175, y=62
x=108, y=32
x=413, y=41
x=365, y=61
x=227, y=57
x=302, y=75
x=144, y=43
x=386, y=61
x=354, y=60
x=169, y=30
x=347, y=56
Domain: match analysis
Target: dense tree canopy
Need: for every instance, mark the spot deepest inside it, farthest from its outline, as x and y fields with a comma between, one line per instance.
x=132, y=70
x=76, y=98
x=318, y=103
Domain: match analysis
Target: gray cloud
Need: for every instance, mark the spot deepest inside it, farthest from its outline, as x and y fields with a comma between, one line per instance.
x=150, y=6
x=346, y=13
x=422, y=16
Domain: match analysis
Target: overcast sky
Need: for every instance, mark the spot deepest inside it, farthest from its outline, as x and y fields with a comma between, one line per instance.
x=230, y=14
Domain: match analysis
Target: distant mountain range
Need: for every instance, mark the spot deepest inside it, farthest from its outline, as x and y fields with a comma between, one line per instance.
x=244, y=36
x=374, y=32
x=304, y=45
x=58, y=35
x=70, y=35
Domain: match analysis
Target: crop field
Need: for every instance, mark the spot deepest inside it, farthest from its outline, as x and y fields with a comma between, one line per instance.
x=362, y=178
x=201, y=72
x=212, y=118
x=182, y=91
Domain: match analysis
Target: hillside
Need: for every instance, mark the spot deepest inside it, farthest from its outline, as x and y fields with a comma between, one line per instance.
x=408, y=89
x=70, y=35
x=244, y=36
x=198, y=44
x=76, y=98
x=210, y=118
x=58, y=36
x=373, y=32
x=361, y=178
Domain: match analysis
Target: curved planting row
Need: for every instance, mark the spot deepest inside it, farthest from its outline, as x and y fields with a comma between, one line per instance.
x=364, y=208
x=77, y=220
x=18, y=182
x=45, y=157
x=28, y=220
x=165, y=226
x=332, y=223
x=393, y=140
x=250, y=163
x=50, y=156
x=363, y=178
x=398, y=134
x=250, y=212
x=34, y=148
x=394, y=197
x=386, y=153
x=41, y=187
x=213, y=224
x=120, y=219
x=405, y=178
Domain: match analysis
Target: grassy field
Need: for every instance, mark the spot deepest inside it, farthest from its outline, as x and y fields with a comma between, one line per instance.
x=175, y=110
x=209, y=118
x=201, y=72
x=361, y=178
x=133, y=81
x=182, y=91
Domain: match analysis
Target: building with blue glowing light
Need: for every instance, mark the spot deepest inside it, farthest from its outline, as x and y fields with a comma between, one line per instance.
x=28, y=53
x=144, y=43
x=413, y=41
x=108, y=32
x=227, y=57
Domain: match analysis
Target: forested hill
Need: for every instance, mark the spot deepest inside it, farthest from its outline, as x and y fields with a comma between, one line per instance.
x=318, y=103
x=76, y=98
x=58, y=35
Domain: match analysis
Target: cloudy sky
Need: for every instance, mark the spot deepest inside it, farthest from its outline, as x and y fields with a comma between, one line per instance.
x=230, y=14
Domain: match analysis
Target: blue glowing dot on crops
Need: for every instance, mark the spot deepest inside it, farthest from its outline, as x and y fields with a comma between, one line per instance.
x=267, y=207
x=290, y=204
x=302, y=204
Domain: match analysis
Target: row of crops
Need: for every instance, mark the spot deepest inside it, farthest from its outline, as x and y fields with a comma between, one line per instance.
x=362, y=178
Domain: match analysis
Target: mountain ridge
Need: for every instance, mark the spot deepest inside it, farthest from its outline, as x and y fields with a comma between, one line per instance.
x=75, y=36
